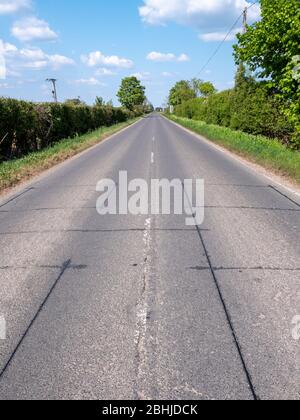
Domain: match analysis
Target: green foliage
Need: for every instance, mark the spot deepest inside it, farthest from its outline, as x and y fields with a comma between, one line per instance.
x=271, y=47
x=27, y=127
x=181, y=92
x=75, y=102
x=14, y=171
x=131, y=93
x=206, y=89
x=99, y=101
x=262, y=150
x=186, y=90
x=147, y=107
x=250, y=107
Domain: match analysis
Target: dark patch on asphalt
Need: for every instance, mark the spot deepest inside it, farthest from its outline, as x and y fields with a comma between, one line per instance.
x=198, y=268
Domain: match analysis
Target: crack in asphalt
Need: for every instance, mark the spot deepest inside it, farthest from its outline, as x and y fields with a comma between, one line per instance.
x=16, y=196
x=284, y=195
x=64, y=267
x=31, y=232
x=199, y=268
x=47, y=267
x=226, y=310
x=93, y=208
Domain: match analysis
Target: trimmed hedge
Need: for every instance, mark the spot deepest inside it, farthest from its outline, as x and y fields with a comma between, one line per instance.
x=253, y=110
x=264, y=151
x=28, y=127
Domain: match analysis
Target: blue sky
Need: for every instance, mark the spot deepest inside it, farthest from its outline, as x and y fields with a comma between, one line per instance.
x=89, y=46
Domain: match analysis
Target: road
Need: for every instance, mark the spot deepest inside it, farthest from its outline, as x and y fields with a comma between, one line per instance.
x=145, y=307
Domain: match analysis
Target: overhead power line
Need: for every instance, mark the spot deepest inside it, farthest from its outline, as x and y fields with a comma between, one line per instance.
x=242, y=15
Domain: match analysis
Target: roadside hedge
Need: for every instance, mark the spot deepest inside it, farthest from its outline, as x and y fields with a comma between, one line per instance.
x=27, y=127
x=253, y=110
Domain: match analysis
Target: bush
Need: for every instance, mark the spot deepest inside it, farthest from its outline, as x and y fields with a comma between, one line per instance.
x=262, y=150
x=251, y=108
x=27, y=127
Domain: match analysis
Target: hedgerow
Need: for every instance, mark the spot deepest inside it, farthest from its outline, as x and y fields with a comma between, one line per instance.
x=250, y=108
x=28, y=127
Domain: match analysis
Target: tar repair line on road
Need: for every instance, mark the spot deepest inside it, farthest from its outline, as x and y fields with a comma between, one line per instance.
x=228, y=317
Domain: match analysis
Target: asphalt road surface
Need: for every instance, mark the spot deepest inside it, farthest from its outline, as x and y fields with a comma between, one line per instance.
x=145, y=307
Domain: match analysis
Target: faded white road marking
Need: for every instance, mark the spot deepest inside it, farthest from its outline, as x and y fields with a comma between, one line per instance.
x=142, y=305
x=152, y=158
x=2, y=328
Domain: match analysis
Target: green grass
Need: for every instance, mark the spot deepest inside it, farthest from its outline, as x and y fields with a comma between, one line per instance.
x=15, y=171
x=269, y=153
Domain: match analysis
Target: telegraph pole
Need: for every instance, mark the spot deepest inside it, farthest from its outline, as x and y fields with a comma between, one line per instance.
x=245, y=19
x=54, y=91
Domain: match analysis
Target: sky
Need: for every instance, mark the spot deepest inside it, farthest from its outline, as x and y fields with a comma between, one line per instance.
x=90, y=45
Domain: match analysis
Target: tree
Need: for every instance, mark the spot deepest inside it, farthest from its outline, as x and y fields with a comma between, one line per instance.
x=181, y=92
x=131, y=93
x=203, y=89
x=206, y=89
x=195, y=83
x=148, y=107
x=271, y=47
x=75, y=102
x=99, y=101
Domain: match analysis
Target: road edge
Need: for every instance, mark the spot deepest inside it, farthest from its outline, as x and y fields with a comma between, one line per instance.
x=275, y=179
x=10, y=192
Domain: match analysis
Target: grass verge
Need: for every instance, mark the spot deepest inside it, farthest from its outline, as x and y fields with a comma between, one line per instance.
x=266, y=152
x=16, y=171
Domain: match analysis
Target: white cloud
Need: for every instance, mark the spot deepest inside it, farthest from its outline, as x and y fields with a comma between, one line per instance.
x=2, y=61
x=32, y=54
x=7, y=48
x=167, y=74
x=6, y=85
x=102, y=71
x=2, y=68
x=157, y=56
x=90, y=82
x=211, y=17
x=31, y=28
x=13, y=6
x=169, y=57
x=96, y=58
x=183, y=58
x=32, y=58
x=142, y=76
x=36, y=65
x=219, y=36
x=57, y=61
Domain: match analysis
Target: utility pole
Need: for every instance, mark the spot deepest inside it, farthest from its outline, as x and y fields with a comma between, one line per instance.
x=54, y=91
x=245, y=19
